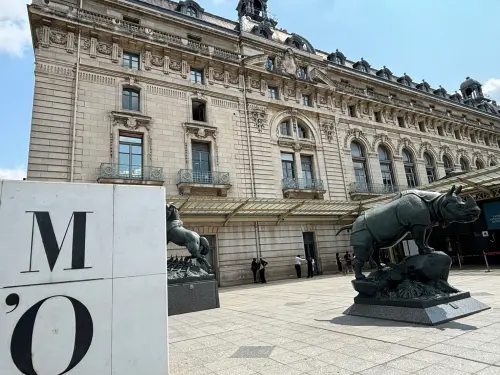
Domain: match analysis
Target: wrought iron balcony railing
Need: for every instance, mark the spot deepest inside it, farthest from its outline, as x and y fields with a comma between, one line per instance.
x=190, y=176
x=369, y=188
x=131, y=172
x=302, y=184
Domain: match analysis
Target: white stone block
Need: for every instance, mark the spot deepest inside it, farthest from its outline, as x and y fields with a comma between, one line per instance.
x=83, y=286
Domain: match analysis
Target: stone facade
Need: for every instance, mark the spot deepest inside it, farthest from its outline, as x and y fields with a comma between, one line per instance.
x=251, y=78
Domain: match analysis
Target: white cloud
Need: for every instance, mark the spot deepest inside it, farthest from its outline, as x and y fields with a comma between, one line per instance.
x=15, y=34
x=492, y=88
x=12, y=174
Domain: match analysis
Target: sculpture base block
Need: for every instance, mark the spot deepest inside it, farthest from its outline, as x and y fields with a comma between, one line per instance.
x=190, y=297
x=428, y=312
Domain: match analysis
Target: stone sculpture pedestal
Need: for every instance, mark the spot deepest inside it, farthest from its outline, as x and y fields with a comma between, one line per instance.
x=414, y=291
x=186, y=297
x=83, y=284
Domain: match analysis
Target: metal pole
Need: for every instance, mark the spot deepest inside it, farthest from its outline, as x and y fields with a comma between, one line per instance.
x=486, y=261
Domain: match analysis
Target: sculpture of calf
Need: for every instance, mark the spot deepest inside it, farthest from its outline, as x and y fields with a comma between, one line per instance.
x=412, y=211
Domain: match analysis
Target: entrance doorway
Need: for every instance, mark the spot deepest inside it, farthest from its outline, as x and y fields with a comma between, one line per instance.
x=310, y=249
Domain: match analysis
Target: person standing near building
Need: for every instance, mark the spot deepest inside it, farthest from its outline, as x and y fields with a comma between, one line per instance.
x=298, y=269
x=310, y=267
x=262, y=271
x=348, y=261
x=255, y=268
x=339, y=262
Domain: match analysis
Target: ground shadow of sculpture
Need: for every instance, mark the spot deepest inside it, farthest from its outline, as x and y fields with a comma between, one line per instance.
x=184, y=269
x=415, y=290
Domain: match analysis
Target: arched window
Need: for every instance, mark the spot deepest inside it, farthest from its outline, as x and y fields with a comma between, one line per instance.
x=479, y=164
x=448, y=165
x=359, y=164
x=257, y=6
x=338, y=60
x=430, y=167
x=264, y=34
x=493, y=163
x=190, y=11
x=285, y=129
x=386, y=168
x=409, y=164
x=464, y=165
x=302, y=132
x=296, y=44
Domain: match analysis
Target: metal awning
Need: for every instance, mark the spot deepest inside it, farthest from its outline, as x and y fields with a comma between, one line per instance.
x=484, y=183
x=223, y=210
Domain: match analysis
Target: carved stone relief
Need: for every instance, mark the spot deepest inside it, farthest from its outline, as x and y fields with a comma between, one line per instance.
x=328, y=129
x=258, y=115
x=383, y=139
x=356, y=134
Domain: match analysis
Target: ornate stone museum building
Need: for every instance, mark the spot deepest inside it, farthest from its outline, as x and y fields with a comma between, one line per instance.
x=265, y=143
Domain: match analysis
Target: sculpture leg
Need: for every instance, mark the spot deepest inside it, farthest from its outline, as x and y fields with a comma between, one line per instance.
x=418, y=233
x=376, y=258
x=361, y=255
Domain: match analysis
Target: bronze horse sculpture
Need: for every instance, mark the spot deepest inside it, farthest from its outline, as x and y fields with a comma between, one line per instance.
x=197, y=246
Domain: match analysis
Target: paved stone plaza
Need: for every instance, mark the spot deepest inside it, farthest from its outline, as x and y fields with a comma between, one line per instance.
x=296, y=327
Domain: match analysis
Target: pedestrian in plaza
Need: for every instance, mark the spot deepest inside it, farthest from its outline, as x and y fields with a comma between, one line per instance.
x=262, y=271
x=255, y=267
x=298, y=269
x=348, y=261
x=339, y=262
x=310, y=267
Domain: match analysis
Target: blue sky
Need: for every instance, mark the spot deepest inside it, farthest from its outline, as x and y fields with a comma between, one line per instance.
x=439, y=41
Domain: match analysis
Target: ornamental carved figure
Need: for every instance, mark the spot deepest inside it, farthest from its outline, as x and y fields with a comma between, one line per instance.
x=157, y=61
x=328, y=129
x=104, y=48
x=175, y=65
x=288, y=65
x=58, y=37
x=218, y=76
x=382, y=138
x=259, y=118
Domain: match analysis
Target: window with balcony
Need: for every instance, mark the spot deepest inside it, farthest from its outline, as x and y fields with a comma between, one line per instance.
x=378, y=116
x=131, y=60
x=287, y=166
x=421, y=126
x=197, y=76
x=130, y=156
x=359, y=165
x=273, y=92
x=201, y=159
x=464, y=165
x=409, y=165
x=306, y=100
x=386, y=168
x=199, y=110
x=430, y=167
x=479, y=164
x=448, y=165
x=131, y=99
x=352, y=110
x=457, y=134
x=440, y=131
x=307, y=171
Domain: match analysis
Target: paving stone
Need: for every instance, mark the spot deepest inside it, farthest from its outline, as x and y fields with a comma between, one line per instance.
x=253, y=352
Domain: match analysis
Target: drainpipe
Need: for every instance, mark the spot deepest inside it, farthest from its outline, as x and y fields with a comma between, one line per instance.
x=75, y=106
x=340, y=159
x=250, y=161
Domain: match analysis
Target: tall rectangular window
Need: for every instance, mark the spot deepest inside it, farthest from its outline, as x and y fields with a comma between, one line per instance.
x=131, y=100
x=302, y=72
x=457, y=134
x=307, y=171
x=285, y=129
x=421, y=126
x=197, y=76
x=131, y=60
x=401, y=122
x=352, y=110
x=378, y=116
x=130, y=156
x=287, y=166
x=273, y=93
x=200, y=152
x=306, y=100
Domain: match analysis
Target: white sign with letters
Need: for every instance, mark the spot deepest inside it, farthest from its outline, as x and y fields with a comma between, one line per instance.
x=83, y=286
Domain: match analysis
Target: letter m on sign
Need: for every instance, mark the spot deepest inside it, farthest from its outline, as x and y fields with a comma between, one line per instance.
x=49, y=240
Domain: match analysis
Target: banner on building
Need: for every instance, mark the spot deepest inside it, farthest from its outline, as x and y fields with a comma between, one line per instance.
x=492, y=215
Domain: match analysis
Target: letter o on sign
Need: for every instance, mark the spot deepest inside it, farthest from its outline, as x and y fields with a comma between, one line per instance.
x=22, y=337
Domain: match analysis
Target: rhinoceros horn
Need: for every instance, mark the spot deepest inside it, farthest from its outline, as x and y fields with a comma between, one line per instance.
x=459, y=190
x=452, y=190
